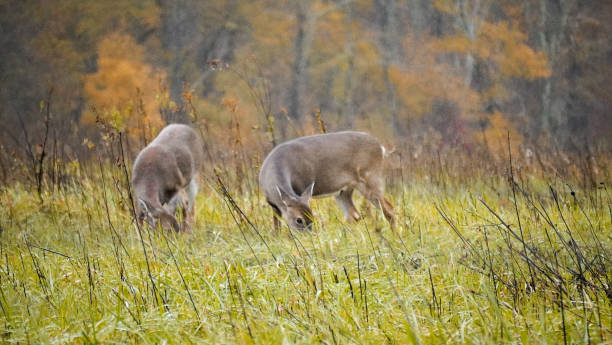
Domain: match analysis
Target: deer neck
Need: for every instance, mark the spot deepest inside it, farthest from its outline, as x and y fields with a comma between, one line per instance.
x=148, y=191
x=283, y=180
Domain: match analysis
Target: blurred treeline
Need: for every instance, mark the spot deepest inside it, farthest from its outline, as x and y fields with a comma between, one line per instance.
x=417, y=73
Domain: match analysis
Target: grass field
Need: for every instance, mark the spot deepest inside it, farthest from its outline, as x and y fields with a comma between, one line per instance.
x=477, y=262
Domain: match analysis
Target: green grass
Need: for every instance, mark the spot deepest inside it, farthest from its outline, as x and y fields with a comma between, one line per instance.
x=73, y=272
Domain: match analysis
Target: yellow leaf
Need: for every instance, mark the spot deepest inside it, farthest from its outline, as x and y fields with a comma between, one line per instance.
x=124, y=86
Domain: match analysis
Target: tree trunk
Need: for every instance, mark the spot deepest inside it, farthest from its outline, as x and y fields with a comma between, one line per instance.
x=303, y=38
x=551, y=31
x=348, y=107
x=390, y=54
x=177, y=21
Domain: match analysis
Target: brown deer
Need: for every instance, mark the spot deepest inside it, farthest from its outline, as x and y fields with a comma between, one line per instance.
x=322, y=165
x=165, y=176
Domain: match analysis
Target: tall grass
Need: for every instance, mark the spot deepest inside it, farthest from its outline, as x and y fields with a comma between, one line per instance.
x=481, y=256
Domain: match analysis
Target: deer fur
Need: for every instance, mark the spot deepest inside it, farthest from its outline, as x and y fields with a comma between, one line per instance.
x=321, y=165
x=165, y=177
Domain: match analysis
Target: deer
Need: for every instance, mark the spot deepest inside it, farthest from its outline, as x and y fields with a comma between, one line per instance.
x=323, y=165
x=165, y=177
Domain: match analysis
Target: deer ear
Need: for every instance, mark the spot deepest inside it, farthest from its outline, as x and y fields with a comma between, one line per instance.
x=307, y=194
x=181, y=178
x=144, y=206
x=283, y=196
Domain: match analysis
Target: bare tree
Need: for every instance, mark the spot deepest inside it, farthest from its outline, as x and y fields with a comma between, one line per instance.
x=551, y=30
x=305, y=24
x=390, y=42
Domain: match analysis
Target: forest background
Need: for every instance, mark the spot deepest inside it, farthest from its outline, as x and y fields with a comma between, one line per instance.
x=427, y=76
x=498, y=111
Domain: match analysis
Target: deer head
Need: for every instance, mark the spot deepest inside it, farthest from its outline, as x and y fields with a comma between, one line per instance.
x=296, y=209
x=155, y=216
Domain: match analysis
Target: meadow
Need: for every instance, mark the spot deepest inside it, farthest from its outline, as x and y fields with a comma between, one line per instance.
x=508, y=255
x=498, y=113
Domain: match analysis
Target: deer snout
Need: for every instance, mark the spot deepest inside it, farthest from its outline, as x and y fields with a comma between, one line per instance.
x=167, y=220
x=155, y=216
x=309, y=227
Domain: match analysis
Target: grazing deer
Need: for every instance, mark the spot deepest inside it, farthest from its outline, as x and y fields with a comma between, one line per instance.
x=321, y=165
x=165, y=177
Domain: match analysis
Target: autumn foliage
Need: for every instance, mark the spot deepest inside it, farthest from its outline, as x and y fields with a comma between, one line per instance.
x=266, y=71
x=123, y=89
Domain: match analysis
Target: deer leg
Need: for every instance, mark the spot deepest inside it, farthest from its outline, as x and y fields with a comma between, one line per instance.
x=192, y=192
x=388, y=211
x=276, y=216
x=174, y=203
x=345, y=201
x=177, y=202
x=373, y=190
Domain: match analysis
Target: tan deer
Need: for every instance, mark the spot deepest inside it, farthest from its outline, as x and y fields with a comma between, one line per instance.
x=165, y=176
x=322, y=165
